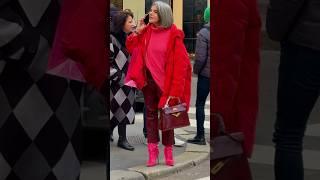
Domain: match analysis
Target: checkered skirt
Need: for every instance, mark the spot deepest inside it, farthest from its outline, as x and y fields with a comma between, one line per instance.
x=122, y=98
x=39, y=113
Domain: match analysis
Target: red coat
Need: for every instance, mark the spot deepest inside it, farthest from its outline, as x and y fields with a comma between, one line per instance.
x=178, y=67
x=79, y=51
x=236, y=46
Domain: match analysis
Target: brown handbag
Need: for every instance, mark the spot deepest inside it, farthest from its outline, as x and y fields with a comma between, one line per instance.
x=174, y=116
x=227, y=158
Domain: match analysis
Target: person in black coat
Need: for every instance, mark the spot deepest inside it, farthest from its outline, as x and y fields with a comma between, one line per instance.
x=202, y=69
x=296, y=25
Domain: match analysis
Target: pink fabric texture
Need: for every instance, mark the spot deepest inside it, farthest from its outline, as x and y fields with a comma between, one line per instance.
x=59, y=64
x=156, y=54
x=79, y=51
x=131, y=83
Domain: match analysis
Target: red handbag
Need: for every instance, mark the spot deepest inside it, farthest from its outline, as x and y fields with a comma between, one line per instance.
x=174, y=116
x=227, y=158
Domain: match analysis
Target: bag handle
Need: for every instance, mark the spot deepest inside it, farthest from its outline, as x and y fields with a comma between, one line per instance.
x=169, y=98
x=222, y=128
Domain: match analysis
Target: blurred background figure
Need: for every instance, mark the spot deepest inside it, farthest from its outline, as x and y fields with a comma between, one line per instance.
x=202, y=69
x=296, y=25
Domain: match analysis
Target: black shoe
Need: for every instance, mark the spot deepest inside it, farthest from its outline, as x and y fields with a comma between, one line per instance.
x=200, y=140
x=112, y=126
x=124, y=144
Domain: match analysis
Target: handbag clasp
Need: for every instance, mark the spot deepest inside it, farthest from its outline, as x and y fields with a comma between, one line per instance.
x=176, y=114
x=217, y=167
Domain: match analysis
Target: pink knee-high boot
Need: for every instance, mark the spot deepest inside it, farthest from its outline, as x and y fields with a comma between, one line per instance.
x=153, y=154
x=168, y=155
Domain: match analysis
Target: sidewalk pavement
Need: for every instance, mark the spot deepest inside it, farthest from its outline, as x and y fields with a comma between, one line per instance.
x=130, y=165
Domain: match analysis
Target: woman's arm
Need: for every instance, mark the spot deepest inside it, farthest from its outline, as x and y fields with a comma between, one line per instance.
x=136, y=37
x=132, y=42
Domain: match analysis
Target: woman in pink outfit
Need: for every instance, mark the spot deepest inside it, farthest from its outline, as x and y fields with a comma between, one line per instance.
x=161, y=68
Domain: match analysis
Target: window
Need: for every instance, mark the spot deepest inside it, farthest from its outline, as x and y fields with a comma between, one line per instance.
x=117, y=3
x=192, y=21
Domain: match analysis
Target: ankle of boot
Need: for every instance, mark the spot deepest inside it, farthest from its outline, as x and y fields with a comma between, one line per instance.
x=170, y=162
x=168, y=155
x=152, y=145
x=168, y=148
x=168, y=152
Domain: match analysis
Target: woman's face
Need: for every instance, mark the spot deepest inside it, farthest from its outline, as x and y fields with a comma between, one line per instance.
x=154, y=16
x=129, y=25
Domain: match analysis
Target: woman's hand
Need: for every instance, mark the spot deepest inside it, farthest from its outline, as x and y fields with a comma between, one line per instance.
x=172, y=101
x=141, y=26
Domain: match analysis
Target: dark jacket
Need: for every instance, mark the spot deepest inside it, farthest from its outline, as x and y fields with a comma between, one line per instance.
x=297, y=21
x=202, y=59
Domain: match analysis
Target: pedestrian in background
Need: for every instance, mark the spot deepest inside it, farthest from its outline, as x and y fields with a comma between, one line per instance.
x=161, y=67
x=296, y=25
x=122, y=97
x=202, y=69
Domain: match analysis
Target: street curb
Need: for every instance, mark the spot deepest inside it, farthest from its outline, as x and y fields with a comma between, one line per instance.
x=126, y=175
x=192, y=157
x=188, y=159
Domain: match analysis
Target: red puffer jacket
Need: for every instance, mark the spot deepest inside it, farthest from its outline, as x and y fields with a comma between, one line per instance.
x=178, y=67
x=236, y=46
